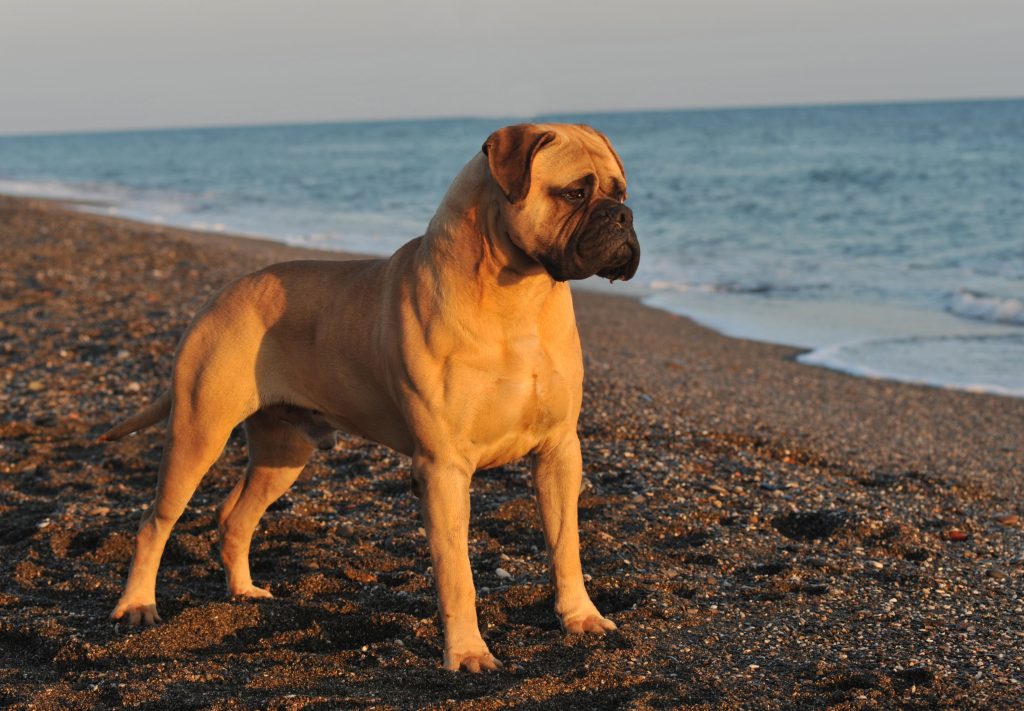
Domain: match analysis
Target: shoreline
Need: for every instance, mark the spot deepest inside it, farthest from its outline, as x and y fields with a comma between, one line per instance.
x=765, y=534
x=815, y=356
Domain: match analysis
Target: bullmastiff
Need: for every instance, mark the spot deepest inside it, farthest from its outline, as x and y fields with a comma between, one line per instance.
x=460, y=351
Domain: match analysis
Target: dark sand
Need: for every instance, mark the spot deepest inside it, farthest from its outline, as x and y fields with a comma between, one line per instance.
x=765, y=534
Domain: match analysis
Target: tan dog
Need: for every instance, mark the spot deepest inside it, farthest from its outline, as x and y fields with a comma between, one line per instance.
x=460, y=351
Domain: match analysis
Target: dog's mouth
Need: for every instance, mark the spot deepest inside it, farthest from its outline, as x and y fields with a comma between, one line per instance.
x=605, y=245
x=624, y=260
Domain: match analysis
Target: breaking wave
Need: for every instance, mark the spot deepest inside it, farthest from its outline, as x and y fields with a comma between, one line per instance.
x=987, y=307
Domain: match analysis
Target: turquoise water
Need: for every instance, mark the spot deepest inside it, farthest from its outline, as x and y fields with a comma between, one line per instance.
x=888, y=240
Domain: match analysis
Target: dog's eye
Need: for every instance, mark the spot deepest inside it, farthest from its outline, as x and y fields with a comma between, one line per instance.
x=574, y=195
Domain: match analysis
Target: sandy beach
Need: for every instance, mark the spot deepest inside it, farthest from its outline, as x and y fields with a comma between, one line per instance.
x=766, y=534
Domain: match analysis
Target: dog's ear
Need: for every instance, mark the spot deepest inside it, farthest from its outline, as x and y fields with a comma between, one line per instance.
x=510, y=153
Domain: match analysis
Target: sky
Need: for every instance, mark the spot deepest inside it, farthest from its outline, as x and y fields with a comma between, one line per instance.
x=75, y=65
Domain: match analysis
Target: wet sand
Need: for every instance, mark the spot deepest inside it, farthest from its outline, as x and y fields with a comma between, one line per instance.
x=765, y=534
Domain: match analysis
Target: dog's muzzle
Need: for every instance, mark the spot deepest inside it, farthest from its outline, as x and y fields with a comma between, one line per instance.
x=622, y=249
x=606, y=245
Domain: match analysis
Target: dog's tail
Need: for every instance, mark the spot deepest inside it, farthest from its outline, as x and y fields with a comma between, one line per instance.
x=157, y=410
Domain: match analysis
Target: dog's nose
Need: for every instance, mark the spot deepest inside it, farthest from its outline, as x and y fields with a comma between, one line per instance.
x=620, y=214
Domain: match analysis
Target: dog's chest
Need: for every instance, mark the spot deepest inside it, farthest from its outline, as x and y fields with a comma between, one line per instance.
x=517, y=400
x=533, y=399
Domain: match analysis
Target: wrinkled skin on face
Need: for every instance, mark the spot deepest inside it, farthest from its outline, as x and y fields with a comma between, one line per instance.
x=565, y=188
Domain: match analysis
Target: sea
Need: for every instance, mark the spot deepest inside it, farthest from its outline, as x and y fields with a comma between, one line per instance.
x=883, y=240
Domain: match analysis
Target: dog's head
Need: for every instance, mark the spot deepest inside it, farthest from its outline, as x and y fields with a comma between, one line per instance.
x=564, y=188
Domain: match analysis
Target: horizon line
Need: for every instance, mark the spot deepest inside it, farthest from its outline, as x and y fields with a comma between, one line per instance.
x=540, y=115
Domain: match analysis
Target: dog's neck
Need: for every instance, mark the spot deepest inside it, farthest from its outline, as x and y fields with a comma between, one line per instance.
x=467, y=245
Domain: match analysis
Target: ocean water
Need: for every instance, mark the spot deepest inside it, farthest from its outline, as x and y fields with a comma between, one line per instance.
x=886, y=240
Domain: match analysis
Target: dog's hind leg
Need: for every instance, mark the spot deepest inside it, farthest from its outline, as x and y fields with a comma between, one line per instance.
x=188, y=455
x=209, y=399
x=278, y=452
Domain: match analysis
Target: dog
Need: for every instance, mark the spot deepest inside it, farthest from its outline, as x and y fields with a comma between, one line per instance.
x=460, y=351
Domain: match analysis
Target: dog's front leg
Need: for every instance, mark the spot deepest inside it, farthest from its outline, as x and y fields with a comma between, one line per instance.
x=443, y=488
x=557, y=476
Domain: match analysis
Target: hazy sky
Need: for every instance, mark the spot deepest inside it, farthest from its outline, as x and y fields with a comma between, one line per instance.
x=97, y=64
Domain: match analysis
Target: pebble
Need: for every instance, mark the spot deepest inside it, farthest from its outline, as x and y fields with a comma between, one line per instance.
x=876, y=564
x=955, y=534
x=133, y=387
x=1010, y=519
x=502, y=574
x=36, y=385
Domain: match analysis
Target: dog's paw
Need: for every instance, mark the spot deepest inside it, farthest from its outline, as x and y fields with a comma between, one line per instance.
x=593, y=623
x=252, y=592
x=473, y=662
x=136, y=613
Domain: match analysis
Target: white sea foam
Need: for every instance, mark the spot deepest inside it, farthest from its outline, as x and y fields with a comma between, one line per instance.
x=52, y=189
x=871, y=341
x=684, y=287
x=107, y=198
x=987, y=307
x=979, y=364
